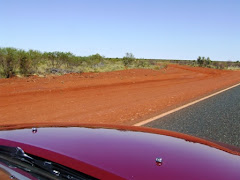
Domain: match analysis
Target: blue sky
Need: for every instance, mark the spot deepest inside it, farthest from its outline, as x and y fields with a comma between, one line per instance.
x=171, y=29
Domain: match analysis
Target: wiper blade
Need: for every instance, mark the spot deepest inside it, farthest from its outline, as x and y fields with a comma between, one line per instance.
x=57, y=171
x=17, y=153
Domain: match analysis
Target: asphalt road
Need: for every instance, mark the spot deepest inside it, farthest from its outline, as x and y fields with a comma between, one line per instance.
x=216, y=118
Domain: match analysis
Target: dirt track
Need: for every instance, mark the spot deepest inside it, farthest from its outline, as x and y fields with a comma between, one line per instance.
x=121, y=97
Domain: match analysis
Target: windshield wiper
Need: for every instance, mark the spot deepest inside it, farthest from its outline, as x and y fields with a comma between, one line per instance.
x=15, y=156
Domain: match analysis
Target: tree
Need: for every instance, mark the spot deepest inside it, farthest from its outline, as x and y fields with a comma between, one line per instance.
x=60, y=58
x=203, y=62
x=51, y=56
x=207, y=62
x=24, y=62
x=35, y=57
x=96, y=58
x=75, y=60
x=200, y=61
x=8, y=61
x=128, y=59
x=2, y=60
x=67, y=58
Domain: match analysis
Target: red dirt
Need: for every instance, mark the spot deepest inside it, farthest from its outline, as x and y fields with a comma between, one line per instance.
x=121, y=97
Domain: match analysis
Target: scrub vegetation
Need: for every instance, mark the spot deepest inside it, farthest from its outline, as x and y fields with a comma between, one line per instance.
x=18, y=62
x=25, y=63
x=207, y=62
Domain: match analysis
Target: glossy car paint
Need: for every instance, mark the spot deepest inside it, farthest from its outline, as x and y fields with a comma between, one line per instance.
x=116, y=154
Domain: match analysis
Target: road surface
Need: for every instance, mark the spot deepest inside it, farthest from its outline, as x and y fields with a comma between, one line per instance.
x=216, y=118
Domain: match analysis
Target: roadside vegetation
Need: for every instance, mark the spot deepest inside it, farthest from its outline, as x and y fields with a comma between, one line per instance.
x=208, y=63
x=18, y=62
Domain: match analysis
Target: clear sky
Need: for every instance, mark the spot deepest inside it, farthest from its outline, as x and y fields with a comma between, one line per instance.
x=171, y=29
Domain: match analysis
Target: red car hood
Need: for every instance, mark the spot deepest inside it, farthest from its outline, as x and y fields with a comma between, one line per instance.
x=126, y=153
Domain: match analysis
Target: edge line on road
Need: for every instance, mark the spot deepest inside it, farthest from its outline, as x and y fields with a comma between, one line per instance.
x=182, y=107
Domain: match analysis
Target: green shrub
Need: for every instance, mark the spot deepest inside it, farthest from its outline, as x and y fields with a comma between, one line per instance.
x=128, y=59
x=24, y=62
x=8, y=61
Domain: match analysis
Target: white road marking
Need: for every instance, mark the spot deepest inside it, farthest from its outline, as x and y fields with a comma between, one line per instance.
x=181, y=107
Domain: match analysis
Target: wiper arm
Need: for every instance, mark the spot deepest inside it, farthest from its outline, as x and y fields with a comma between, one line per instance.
x=17, y=153
x=56, y=171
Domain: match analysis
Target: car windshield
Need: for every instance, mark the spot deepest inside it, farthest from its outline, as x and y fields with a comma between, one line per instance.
x=169, y=65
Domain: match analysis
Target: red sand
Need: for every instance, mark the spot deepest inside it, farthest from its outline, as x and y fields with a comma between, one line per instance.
x=121, y=97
